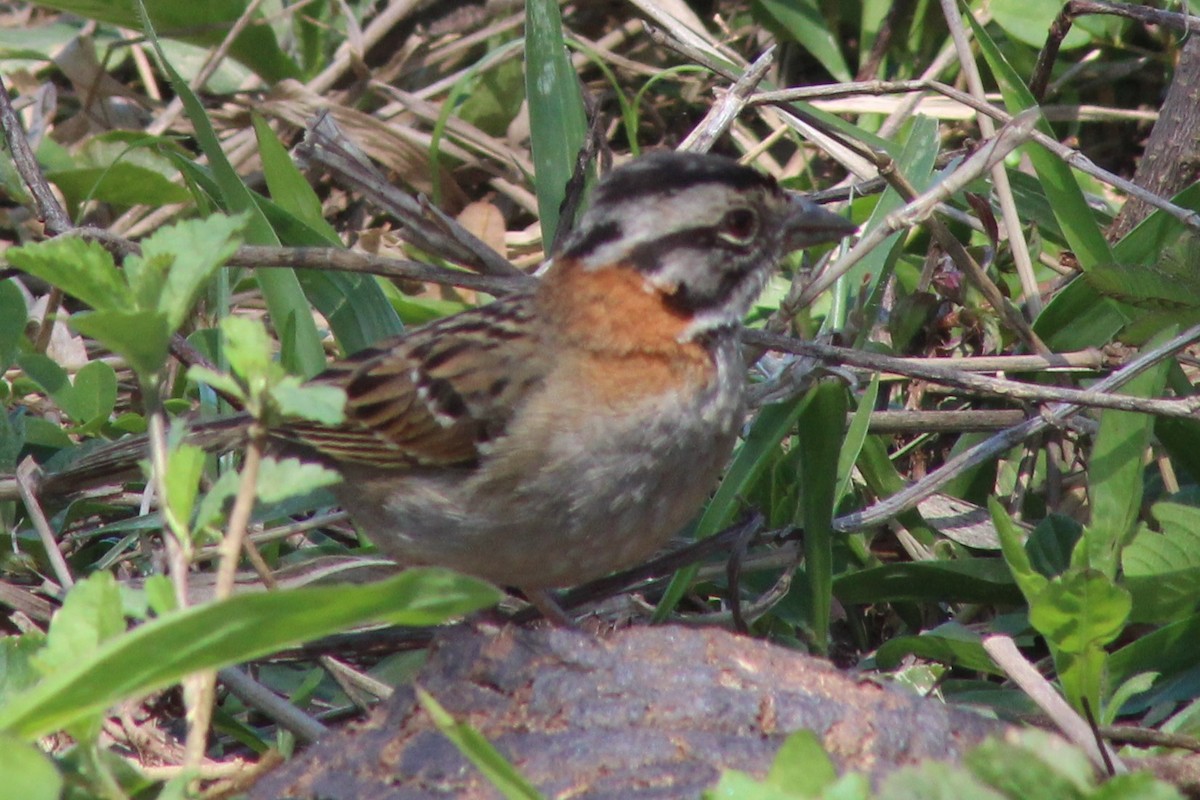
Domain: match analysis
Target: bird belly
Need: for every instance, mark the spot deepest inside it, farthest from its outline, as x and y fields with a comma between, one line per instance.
x=585, y=496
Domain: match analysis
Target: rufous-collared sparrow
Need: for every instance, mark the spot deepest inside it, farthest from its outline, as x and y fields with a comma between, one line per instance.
x=567, y=431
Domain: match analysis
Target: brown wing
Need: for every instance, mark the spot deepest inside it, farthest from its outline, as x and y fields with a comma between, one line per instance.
x=437, y=395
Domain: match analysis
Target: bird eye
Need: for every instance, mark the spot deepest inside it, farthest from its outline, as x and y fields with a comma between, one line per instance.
x=738, y=226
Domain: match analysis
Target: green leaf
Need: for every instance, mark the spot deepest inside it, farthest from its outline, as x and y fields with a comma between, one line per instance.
x=479, y=751
x=185, y=466
x=84, y=270
x=217, y=380
x=823, y=422
x=951, y=643
x=301, y=351
x=279, y=479
x=17, y=671
x=1033, y=767
x=204, y=23
x=935, y=780
x=1080, y=609
x=1028, y=20
x=557, y=122
x=972, y=580
x=802, y=21
x=1062, y=190
x=90, y=615
x=1050, y=545
x=13, y=316
x=241, y=628
x=1170, y=650
x=141, y=337
x=193, y=250
x=1115, y=468
x=323, y=404
x=1028, y=579
x=802, y=765
x=1162, y=568
x=94, y=393
x=248, y=348
x=28, y=772
x=121, y=184
x=287, y=185
x=1135, y=786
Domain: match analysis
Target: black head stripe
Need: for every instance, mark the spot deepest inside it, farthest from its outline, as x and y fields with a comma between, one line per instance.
x=666, y=173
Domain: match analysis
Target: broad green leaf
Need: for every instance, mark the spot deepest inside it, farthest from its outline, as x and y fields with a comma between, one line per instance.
x=823, y=422
x=217, y=380
x=1080, y=609
x=94, y=393
x=1030, y=581
x=84, y=270
x=204, y=23
x=17, y=670
x=279, y=479
x=1162, y=568
x=802, y=21
x=141, y=337
x=301, y=350
x=951, y=643
x=29, y=774
x=13, y=315
x=288, y=186
x=973, y=580
x=185, y=466
x=194, y=250
x=802, y=765
x=479, y=751
x=323, y=404
x=121, y=184
x=1033, y=767
x=495, y=100
x=1028, y=20
x=90, y=616
x=1169, y=650
x=1115, y=468
x=247, y=347
x=241, y=628
x=557, y=122
x=1078, y=317
x=1050, y=545
x=936, y=780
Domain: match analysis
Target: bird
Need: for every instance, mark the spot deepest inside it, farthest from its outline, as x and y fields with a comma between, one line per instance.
x=569, y=430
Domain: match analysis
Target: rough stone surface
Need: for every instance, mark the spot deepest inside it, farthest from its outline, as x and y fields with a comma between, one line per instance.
x=641, y=713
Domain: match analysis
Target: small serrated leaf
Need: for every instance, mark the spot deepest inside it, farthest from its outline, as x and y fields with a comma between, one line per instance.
x=84, y=270
x=279, y=479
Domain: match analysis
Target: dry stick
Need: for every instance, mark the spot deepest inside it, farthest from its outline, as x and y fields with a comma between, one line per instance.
x=440, y=234
x=1072, y=158
x=1008, y=205
x=48, y=209
x=984, y=451
x=1078, y=8
x=27, y=485
x=1004, y=652
x=950, y=376
x=721, y=115
x=920, y=208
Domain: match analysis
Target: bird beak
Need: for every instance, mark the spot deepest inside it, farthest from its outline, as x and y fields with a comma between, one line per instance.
x=807, y=224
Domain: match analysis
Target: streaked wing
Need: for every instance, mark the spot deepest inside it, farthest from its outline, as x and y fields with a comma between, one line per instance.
x=436, y=396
